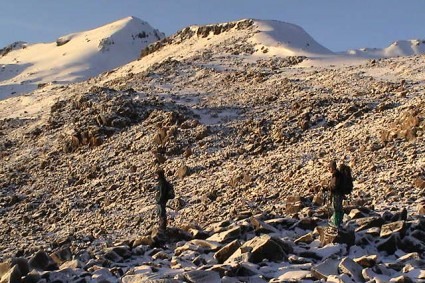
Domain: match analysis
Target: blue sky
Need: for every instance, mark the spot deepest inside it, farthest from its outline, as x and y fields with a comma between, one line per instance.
x=338, y=25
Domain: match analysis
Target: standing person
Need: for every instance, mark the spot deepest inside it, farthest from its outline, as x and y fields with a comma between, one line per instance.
x=164, y=192
x=337, y=195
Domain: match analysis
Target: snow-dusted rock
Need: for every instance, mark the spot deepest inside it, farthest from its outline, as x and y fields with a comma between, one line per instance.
x=326, y=268
x=350, y=267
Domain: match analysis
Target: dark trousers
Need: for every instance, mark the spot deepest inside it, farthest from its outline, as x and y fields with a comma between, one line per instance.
x=162, y=214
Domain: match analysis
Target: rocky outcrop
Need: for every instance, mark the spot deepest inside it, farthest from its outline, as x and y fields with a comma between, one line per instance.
x=198, y=31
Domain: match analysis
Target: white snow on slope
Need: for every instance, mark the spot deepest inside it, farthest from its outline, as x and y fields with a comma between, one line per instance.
x=74, y=57
x=79, y=56
x=269, y=38
x=285, y=39
x=398, y=48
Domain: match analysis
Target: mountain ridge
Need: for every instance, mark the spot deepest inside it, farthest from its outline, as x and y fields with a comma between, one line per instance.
x=74, y=57
x=78, y=56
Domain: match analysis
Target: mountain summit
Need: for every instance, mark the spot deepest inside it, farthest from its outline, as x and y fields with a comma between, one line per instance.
x=74, y=57
x=287, y=39
x=78, y=56
x=248, y=39
x=244, y=37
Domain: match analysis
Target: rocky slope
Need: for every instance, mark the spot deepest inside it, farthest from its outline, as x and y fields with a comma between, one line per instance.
x=238, y=136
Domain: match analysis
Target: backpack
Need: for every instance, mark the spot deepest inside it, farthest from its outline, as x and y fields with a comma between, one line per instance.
x=346, y=180
x=170, y=191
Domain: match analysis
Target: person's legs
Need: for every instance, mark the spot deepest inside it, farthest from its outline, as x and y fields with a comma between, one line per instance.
x=338, y=214
x=162, y=217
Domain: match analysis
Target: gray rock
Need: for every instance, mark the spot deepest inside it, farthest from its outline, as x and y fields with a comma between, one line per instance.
x=367, y=261
x=390, y=244
x=410, y=244
x=113, y=256
x=262, y=227
x=61, y=255
x=122, y=251
x=281, y=223
x=401, y=279
x=307, y=238
x=246, y=269
x=71, y=264
x=370, y=276
x=42, y=261
x=32, y=277
x=325, y=269
x=263, y=247
x=227, y=235
x=306, y=224
x=348, y=266
x=329, y=235
x=13, y=275
x=23, y=265
x=369, y=222
x=136, y=278
x=390, y=228
x=225, y=252
x=202, y=276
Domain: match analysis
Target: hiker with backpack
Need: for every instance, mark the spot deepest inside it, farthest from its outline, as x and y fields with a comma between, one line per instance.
x=165, y=191
x=341, y=184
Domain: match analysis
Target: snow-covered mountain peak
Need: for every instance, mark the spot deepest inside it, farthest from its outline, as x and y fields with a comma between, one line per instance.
x=397, y=48
x=73, y=57
x=287, y=39
x=278, y=38
x=248, y=39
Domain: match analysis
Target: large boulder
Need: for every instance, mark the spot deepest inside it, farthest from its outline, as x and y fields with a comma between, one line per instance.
x=258, y=249
x=206, y=276
x=264, y=247
x=390, y=244
x=42, y=261
x=350, y=267
x=411, y=244
x=369, y=222
x=367, y=261
x=329, y=235
x=201, y=246
x=262, y=227
x=390, y=228
x=325, y=269
x=294, y=204
x=61, y=255
x=227, y=235
x=13, y=275
x=225, y=252
x=23, y=265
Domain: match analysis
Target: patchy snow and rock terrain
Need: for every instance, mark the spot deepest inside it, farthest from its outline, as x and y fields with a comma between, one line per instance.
x=245, y=135
x=74, y=57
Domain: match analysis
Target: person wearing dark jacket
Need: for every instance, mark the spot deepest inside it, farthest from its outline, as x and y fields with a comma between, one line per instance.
x=164, y=189
x=337, y=195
